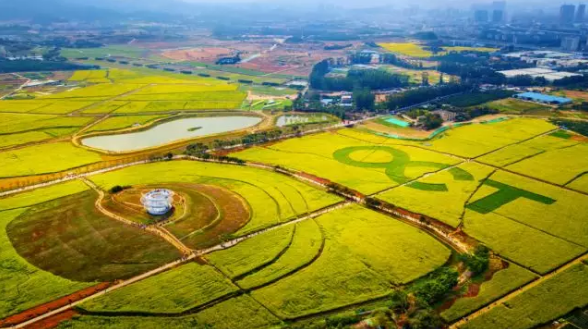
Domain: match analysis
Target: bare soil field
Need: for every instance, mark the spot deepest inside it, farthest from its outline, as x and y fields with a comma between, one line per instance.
x=206, y=54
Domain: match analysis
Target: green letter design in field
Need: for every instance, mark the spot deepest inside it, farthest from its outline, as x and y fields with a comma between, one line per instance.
x=504, y=195
x=395, y=168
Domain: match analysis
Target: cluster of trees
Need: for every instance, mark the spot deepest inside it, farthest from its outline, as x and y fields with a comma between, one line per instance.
x=200, y=150
x=580, y=127
x=363, y=99
x=477, y=98
x=479, y=261
x=432, y=289
x=372, y=79
x=63, y=42
x=431, y=121
x=338, y=47
x=471, y=113
x=313, y=104
x=27, y=65
x=421, y=95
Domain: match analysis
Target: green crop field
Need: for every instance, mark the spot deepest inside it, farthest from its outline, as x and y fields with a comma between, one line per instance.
x=241, y=312
x=476, y=140
x=240, y=260
x=23, y=138
x=71, y=238
x=407, y=49
x=99, y=90
x=174, y=291
x=445, y=204
x=518, y=152
x=559, y=166
x=14, y=123
x=519, y=242
x=515, y=106
x=44, y=158
x=272, y=198
x=360, y=165
x=121, y=122
x=538, y=205
x=108, y=51
x=306, y=244
x=518, y=215
x=35, y=286
x=363, y=250
x=502, y=282
x=550, y=299
x=274, y=250
x=472, y=140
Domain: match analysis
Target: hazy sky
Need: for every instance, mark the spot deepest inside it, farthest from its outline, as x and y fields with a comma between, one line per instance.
x=396, y=3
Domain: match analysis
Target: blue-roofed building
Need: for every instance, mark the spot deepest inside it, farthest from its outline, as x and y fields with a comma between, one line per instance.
x=545, y=99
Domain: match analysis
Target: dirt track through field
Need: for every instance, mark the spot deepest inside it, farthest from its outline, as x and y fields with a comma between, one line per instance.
x=162, y=232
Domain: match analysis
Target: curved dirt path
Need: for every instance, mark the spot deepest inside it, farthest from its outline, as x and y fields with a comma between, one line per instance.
x=162, y=232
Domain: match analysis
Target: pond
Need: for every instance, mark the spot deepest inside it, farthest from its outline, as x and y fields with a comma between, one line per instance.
x=296, y=119
x=170, y=132
x=398, y=122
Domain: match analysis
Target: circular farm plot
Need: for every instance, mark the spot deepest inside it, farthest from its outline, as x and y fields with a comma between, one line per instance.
x=201, y=214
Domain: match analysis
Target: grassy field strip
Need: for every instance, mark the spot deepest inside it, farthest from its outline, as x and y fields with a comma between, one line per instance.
x=535, y=178
x=517, y=143
x=106, y=291
x=463, y=322
x=127, y=93
x=295, y=259
x=175, y=291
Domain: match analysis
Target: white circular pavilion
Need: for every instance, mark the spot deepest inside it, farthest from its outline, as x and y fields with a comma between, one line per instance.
x=157, y=202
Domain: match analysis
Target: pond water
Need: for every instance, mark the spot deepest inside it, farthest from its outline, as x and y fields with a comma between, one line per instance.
x=170, y=132
x=398, y=122
x=294, y=119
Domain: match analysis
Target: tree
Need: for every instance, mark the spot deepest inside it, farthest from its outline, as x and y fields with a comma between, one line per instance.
x=398, y=302
x=363, y=99
x=432, y=121
x=437, y=285
x=425, y=319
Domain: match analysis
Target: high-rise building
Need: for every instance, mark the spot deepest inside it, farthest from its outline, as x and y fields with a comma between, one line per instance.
x=566, y=14
x=498, y=11
x=581, y=13
x=497, y=16
x=481, y=16
x=570, y=43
